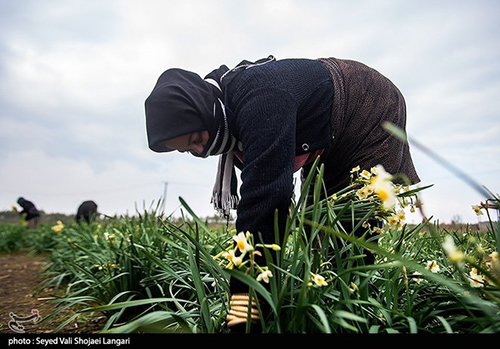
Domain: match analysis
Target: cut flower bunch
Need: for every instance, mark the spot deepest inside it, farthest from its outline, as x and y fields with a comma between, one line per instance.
x=372, y=196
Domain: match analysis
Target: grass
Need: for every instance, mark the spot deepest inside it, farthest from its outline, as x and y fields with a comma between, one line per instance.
x=16, y=237
x=150, y=274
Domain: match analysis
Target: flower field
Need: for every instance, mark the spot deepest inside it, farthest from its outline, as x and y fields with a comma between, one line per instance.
x=147, y=273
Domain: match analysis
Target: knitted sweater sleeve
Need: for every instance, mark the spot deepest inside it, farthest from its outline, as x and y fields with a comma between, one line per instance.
x=267, y=124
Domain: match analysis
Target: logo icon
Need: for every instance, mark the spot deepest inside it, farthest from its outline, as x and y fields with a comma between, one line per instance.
x=15, y=323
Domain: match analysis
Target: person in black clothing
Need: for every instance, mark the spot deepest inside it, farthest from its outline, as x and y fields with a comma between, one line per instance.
x=271, y=118
x=32, y=215
x=87, y=212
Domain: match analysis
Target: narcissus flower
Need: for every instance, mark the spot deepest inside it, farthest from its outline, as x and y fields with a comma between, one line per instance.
x=401, y=215
x=369, y=190
x=242, y=243
x=432, y=266
x=492, y=263
x=365, y=174
x=58, y=227
x=454, y=255
x=386, y=194
x=393, y=220
x=362, y=193
x=237, y=261
x=381, y=173
x=108, y=237
x=319, y=280
x=475, y=279
x=383, y=187
x=355, y=169
x=229, y=255
x=264, y=276
x=477, y=210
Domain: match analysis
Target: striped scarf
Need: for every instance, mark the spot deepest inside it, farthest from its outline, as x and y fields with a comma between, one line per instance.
x=225, y=195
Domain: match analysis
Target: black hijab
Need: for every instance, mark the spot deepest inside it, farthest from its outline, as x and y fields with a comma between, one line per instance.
x=181, y=103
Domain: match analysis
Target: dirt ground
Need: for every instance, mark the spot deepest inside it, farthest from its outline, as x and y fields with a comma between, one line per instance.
x=19, y=277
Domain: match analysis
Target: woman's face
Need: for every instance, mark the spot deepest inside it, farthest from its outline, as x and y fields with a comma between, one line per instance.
x=194, y=142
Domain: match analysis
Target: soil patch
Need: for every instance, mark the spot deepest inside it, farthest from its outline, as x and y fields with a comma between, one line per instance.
x=19, y=278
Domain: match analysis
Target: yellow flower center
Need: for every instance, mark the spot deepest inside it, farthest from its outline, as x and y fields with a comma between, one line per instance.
x=383, y=194
x=241, y=245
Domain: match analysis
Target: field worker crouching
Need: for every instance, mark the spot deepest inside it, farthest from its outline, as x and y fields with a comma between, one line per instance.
x=271, y=118
x=86, y=212
x=32, y=215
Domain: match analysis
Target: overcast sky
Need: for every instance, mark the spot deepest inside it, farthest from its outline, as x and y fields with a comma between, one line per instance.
x=74, y=76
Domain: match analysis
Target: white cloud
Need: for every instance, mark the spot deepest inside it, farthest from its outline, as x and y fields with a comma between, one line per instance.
x=74, y=76
x=61, y=184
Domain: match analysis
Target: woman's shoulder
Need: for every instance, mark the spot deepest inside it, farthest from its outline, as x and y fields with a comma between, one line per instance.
x=285, y=69
x=279, y=76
